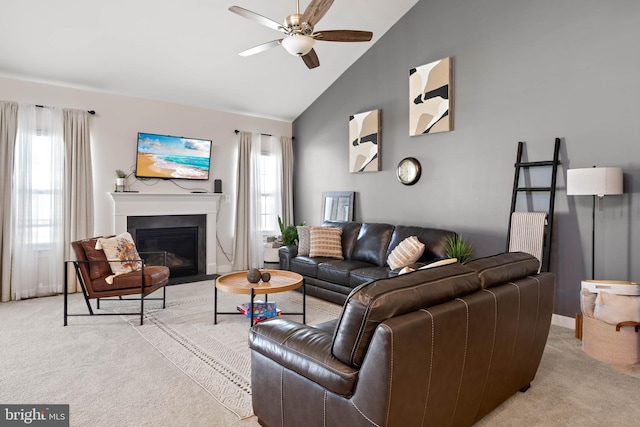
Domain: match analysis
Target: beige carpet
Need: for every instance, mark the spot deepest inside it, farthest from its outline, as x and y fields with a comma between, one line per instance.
x=111, y=376
x=217, y=357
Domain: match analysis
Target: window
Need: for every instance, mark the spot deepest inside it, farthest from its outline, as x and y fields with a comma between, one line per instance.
x=269, y=193
x=41, y=206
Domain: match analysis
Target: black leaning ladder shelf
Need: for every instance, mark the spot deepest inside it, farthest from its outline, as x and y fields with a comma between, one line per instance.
x=519, y=165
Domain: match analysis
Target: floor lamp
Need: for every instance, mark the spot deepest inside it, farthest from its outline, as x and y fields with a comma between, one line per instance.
x=594, y=182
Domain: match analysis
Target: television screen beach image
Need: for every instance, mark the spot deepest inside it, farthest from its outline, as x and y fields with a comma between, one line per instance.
x=168, y=157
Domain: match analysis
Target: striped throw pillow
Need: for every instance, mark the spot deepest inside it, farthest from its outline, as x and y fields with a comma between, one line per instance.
x=326, y=242
x=407, y=252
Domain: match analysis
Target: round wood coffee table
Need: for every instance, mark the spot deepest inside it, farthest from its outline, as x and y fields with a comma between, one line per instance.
x=237, y=283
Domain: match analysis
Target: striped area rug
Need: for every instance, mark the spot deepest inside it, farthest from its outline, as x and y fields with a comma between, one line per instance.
x=217, y=357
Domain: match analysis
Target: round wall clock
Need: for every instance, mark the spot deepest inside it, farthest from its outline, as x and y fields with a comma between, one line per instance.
x=409, y=171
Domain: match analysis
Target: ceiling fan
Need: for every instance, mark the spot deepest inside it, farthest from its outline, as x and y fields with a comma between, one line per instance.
x=299, y=34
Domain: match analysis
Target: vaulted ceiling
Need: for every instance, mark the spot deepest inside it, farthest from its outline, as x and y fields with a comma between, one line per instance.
x=184, y=51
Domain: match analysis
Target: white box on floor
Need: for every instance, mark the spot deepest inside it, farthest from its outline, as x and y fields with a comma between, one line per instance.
x=612, y=286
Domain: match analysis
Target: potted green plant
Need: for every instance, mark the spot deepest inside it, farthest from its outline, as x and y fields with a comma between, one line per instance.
x=457, y=247
x=289, y=233
x=120, y=179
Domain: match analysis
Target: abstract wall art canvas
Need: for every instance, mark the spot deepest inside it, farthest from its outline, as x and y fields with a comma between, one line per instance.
x=430, y=102
x=364, y=142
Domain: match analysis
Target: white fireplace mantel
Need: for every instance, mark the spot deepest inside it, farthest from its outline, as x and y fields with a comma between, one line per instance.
x=150, y=204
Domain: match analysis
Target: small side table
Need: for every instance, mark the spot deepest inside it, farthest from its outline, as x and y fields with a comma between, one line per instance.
x=237, y=283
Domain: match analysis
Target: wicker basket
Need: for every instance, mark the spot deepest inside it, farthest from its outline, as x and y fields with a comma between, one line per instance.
x=600, y=340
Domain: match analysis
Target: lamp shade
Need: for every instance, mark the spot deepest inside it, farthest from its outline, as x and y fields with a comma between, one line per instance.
x=594, y=181
x=298, y=44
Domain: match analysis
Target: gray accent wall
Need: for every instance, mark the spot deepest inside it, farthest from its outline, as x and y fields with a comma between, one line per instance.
x=523, y=71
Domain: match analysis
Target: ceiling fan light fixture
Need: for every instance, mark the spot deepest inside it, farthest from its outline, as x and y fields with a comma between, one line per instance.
x=298, y=44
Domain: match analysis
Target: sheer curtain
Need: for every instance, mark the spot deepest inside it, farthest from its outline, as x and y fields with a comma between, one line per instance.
x=38, y=203
x=8, y=128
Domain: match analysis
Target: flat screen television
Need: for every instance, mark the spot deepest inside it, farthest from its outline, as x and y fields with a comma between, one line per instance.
x=172, y=157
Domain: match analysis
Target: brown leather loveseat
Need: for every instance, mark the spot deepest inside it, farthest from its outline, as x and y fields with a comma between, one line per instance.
x=440, y=346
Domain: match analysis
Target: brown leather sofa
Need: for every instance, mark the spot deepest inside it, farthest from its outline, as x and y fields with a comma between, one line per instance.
x=438, y=347
x=365, y=248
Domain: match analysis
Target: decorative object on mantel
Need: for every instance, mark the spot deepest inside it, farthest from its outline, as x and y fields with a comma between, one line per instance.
x=364, y=142
x=409, y=171
x=594, y=182
x=430, y=100
x=120, y=180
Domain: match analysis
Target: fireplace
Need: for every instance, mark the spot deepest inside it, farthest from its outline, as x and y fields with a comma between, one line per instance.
x=182, y=237
x=128, y=206
x=180, y=244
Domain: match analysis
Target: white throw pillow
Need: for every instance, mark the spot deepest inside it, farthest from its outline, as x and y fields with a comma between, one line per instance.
x=407, y=252
x=613, y=309
x=439, y=263
x=120, y=248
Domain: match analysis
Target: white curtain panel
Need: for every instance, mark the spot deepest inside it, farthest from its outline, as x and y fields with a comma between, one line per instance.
x=256, y=247
x=8, y=128
x=38, y=203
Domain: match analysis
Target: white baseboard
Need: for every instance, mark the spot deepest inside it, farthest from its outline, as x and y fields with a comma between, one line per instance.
x=564, y=321
x=222, y=269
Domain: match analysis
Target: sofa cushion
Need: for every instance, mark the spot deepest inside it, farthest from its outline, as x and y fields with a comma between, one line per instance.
x=407, y=252
x=326, y=242
x=372, y=303
x=372, y=242
x=350, y=231
x=338, y=271
x=306, y=266
x=503, y=268
x=367, y=274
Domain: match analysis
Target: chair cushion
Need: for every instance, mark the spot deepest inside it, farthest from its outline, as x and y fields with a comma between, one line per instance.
x=503, y=268
x=121, y=252
x=326, y=242
x=99, y=268
x=372, y=303
x=154, y=275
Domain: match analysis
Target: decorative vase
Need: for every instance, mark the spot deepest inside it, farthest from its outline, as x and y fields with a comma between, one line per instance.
x=120, y=184
x=254, y=275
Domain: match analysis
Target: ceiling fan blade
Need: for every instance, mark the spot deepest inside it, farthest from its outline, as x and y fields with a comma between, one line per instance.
x=343, y=36
x=311, y=59
x=263, y=20
x=261, y=48
x=315, y=11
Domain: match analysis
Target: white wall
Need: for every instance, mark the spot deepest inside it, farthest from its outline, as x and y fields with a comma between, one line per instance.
x=114, y=130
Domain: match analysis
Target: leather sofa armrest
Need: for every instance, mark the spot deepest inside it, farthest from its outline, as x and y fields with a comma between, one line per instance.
x=285, y=253
x=305, y=350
